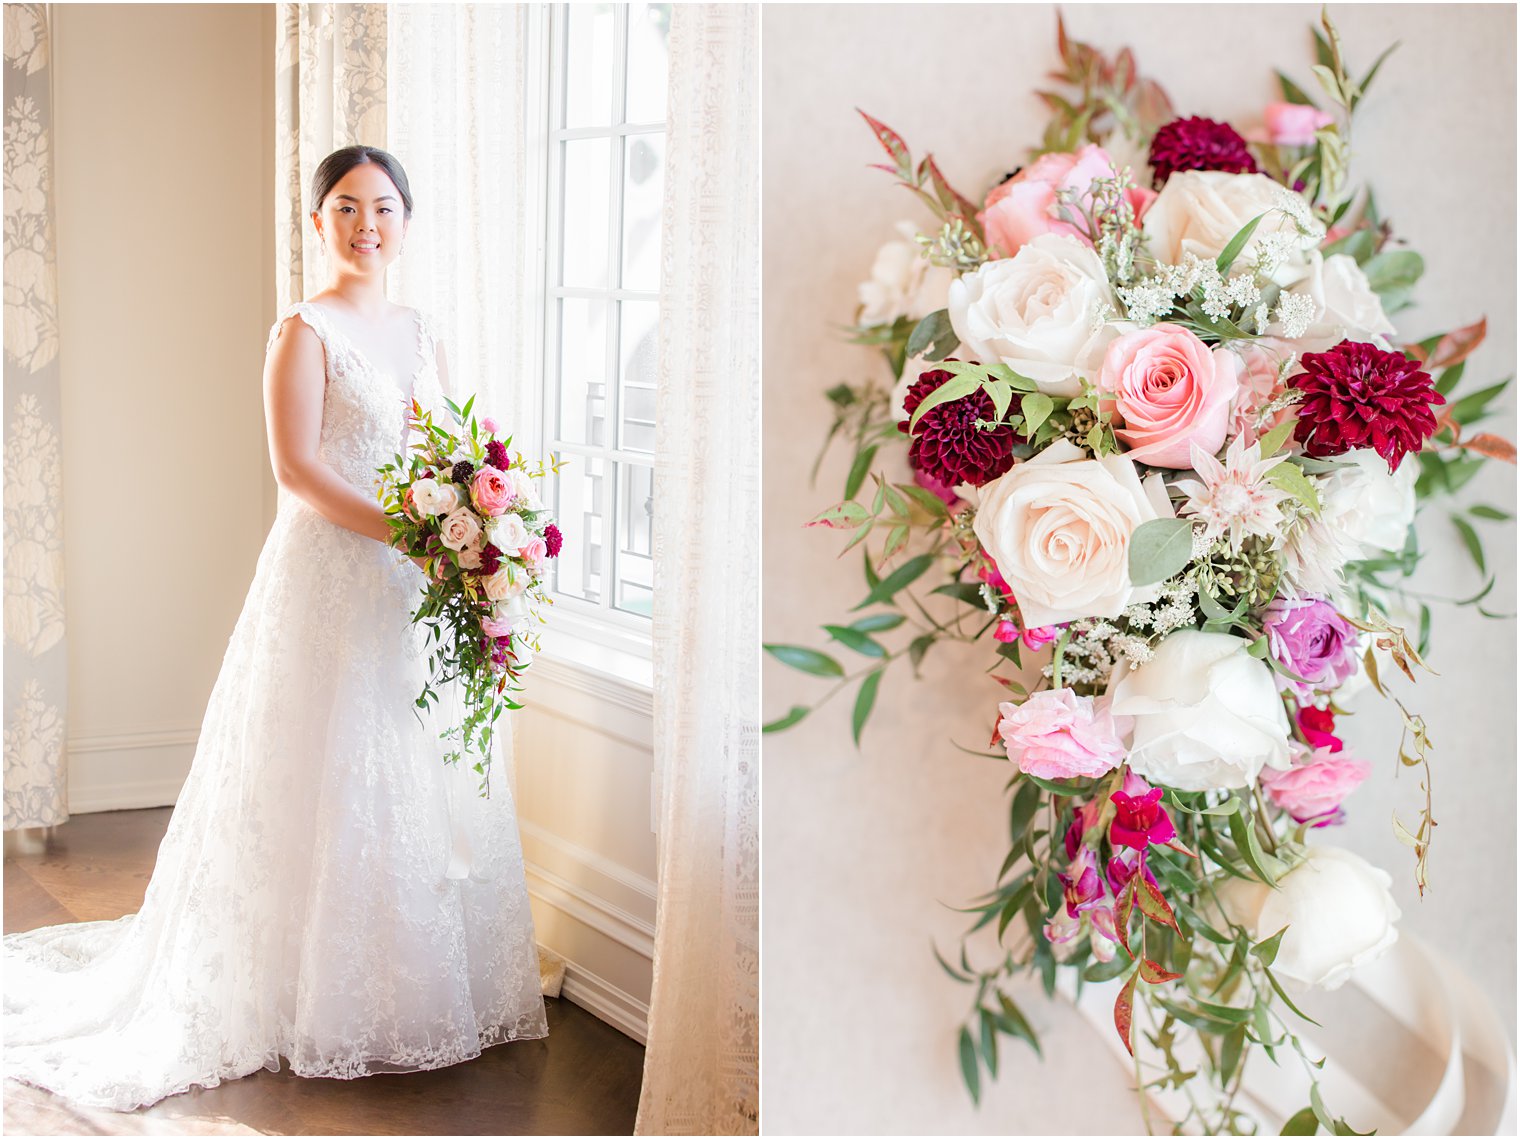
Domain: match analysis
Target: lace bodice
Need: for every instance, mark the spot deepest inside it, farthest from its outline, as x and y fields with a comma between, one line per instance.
x=363, y=409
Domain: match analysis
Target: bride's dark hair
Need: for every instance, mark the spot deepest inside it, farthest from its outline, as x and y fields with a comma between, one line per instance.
x=332, y=168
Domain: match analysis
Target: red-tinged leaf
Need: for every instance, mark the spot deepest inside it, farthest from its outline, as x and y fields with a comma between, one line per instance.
x=1153, y=905
x=845, y=516
x=1490, y=446
x=1121, y=918
x=1154, y=974
x=1125, y=70
x=882, y=166
x=1177, y=845
x=1063, y=45
x=943, y=188
x=1152, y=105
x=1124, y=1011
x=1452, y=348
x=890, y=140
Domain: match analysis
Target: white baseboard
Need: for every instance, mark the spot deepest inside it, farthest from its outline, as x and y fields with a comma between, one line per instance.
x=125, y=796
x=125, y=770
x=606, y=1002
x=611, y=921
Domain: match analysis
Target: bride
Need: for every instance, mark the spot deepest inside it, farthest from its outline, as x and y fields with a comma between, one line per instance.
x=328, y=891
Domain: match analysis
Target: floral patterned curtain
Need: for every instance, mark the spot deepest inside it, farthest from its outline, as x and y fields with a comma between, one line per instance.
x=36, y=661
x=330, y=92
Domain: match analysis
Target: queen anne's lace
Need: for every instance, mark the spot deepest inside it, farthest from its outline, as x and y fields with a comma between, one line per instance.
x=300, y=905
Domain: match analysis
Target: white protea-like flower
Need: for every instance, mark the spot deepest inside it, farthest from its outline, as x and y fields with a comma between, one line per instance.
x=1234, y=497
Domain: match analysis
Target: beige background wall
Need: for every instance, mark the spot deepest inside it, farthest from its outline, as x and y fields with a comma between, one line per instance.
x=864, y=850
x=165, y=270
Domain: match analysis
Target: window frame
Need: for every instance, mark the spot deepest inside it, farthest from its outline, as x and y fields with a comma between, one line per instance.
x=594, y=635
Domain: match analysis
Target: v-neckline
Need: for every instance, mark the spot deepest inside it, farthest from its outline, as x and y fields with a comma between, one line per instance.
x=411, y=393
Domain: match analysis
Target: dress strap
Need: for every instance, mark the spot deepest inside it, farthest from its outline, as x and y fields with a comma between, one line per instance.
x=315, y=318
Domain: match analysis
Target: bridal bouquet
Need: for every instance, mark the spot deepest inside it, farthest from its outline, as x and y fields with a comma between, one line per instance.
x=467, y=506
x=1166, y=452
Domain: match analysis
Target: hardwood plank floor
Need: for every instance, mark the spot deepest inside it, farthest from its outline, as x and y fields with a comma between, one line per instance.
x=583, y=1080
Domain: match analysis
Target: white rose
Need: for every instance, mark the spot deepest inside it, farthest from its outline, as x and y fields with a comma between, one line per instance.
x=1345, y=307
x=1371, y=506
x=1336, y=906
x=507, y=533
x=903, y=282
x=433, y=497
x=1041, y=312
x=1206, y=715
x=1201, y=211
x=508, y=582
x=510, y=608
x=1058, y=527
x=522, y=488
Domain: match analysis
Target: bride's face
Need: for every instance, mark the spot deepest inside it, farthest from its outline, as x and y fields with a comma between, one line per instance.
x=363, y=208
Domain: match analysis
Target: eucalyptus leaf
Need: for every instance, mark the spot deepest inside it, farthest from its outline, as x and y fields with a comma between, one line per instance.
x=1158, y=549
x=933, y=338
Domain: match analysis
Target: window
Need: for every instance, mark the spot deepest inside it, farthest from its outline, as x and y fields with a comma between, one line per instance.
x=605, y=143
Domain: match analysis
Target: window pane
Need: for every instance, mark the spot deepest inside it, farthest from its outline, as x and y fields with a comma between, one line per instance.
x=585, y=211
x=588, y=65
x=635, y=561
x=643, y=189
x=581, y=508
x=648, y=35
x=638, y=350
x=583, y=394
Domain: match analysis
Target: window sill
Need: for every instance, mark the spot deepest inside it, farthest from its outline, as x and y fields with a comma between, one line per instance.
x=578, y=662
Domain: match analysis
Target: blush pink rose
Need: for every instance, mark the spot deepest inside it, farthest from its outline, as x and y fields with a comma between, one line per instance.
x=488, y=425
x=1260, y=383
x=534, y=551
x=1057, y=734
x=1168, y=390
x=1290, y=124
x=1025, y=206
x=460, y=529
x=469, y=558
x=1316, y=786
x=492, y=627
x=491, y=492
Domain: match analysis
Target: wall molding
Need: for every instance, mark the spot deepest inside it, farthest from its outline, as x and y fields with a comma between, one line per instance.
x=97, y=760
x=604, y=686
x=606, y=1002
x=134, y=739
x=597, y=863
x=614, y=922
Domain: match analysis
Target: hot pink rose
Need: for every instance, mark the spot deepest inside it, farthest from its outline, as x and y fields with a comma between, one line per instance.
x=491, y=492
x=1291, y=124
x=1026, y=205
x=1316, y=786
x=1057, y=734
x=1169, y=391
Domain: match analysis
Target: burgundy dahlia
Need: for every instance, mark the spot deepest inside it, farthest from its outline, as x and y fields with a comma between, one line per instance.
x=1199, y=144
x=496, y=455
x=1359, y=395
x=463, y=472
x=553, y=539
x=490, y=560
x=948, y=446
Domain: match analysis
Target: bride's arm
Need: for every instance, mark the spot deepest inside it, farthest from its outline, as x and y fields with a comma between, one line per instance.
x=294, y=373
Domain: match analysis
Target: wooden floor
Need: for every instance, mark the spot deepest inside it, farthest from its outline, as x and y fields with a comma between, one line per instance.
x=583, y=1080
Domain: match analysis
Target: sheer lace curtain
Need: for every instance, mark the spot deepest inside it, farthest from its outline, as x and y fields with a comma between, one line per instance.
x=701, y=1067
x=36, y=661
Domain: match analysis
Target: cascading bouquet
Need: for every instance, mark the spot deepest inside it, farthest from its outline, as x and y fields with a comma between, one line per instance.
x=1160, y=433
x=467, y=506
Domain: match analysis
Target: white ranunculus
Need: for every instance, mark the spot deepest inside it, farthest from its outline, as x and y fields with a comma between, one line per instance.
x=1201, y=211
x=1058, y=528
x=1337, y=908
x=1042, y=312
x=1206, y=714
x=433, y=497
x=903, y=282
x=1345, y=307
x=1373, y=507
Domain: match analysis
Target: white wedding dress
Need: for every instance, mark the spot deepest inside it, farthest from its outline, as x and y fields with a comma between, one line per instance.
x=327, y=891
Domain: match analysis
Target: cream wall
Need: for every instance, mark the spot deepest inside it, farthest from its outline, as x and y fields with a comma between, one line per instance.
x=864, y=850
x=165, y=144
x=165, y=271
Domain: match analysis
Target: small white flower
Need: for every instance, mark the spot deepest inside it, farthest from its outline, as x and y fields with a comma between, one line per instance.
x=1295, y=312
x=1234, y=496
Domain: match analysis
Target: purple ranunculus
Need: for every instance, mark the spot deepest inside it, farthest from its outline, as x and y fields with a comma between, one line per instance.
x=1310, y=639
